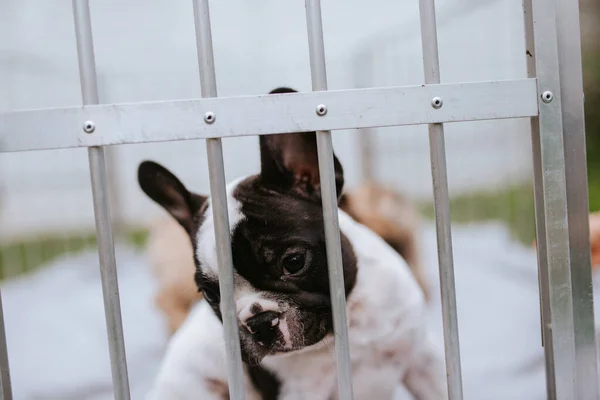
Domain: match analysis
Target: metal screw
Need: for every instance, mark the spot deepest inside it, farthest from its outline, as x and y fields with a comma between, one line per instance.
x=89, y=127
x=321, y=110
x=209, y=117
x=437, y=102
x=547, y=96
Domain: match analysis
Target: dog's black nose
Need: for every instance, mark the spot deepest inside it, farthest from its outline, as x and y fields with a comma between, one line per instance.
x=264, y=327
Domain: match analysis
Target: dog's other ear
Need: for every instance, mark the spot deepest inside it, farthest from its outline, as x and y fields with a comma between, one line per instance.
x=165, y=189
x=289, y=162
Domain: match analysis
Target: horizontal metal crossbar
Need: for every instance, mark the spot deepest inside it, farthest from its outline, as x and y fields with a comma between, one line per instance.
x=111, y=124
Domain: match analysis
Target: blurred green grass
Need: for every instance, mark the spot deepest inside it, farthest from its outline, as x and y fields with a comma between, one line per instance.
x=28, y=255
x=514, y=206
x=591, y=73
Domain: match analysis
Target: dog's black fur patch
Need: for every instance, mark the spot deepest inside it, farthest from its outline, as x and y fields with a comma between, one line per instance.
x=264, y=381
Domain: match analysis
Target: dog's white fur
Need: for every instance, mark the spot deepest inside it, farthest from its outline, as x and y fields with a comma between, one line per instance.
x=389, y=341
x=206, y=243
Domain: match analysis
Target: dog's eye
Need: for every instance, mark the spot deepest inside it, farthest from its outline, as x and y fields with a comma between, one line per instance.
x=212, y=296
x=293, y=263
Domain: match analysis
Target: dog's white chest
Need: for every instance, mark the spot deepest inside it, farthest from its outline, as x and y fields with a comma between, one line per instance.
x=313, y=375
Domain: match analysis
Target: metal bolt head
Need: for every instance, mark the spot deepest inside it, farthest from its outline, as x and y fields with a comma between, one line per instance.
x=209, y=117
x=89, y=127
x=321, y=110
x=547, y=96
x=437, y=102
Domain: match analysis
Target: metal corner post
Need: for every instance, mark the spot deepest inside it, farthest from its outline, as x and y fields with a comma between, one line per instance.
x=560, y=187
x=540, y=223
x=104, y=232
x=572, y=102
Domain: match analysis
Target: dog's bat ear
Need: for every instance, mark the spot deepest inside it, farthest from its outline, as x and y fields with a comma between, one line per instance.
x=165, y=189
x=289, y=162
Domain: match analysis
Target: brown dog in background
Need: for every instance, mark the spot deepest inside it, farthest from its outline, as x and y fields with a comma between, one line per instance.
x=393, y=217
x=386, y=212
x=594, y=240
x=171, y=258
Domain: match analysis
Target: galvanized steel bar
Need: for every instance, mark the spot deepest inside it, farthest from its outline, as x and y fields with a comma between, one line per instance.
x=5, y=383
x=540, y=221
x=362, y=71
x=97, y=161
x=560, y=298
x=158, y=121
x=216, y=169
x=318, y=70
x=571, y=91
x=441, y=205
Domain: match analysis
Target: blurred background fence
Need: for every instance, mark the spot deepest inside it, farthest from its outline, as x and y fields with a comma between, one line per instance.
x=145, y=51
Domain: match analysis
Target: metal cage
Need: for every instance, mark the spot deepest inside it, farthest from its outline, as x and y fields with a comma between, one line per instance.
x=552, y=97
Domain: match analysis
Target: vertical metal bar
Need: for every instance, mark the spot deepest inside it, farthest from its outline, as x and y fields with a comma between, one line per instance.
x=97, y=161
x=113, y=165
x=540, y=222
x=5, y=384
x=442, y=206
x=216, y=169
x=318, y=70
x=363, y=77
x=367, y=143
x=571, y=90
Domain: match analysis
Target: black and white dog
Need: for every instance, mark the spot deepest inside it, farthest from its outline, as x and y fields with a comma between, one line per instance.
x=282, y=291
